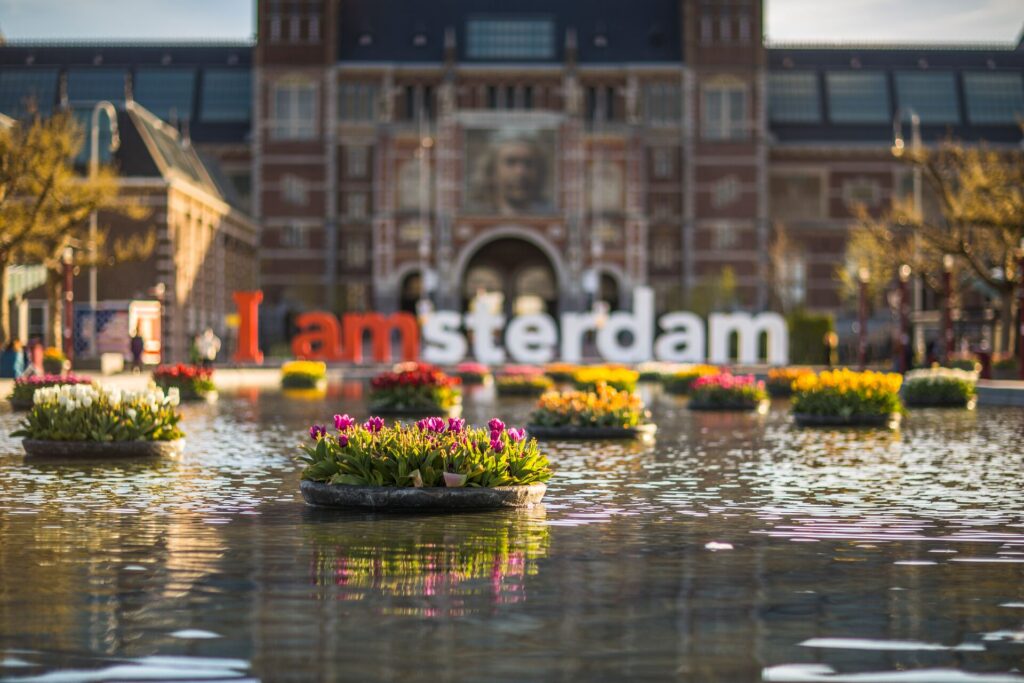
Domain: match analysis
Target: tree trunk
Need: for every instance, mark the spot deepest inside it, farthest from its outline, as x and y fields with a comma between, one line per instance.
x=5, y=313
x=55, y=298
x=1007, y=322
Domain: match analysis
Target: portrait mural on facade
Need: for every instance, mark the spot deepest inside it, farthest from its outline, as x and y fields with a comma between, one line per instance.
x=510, y=171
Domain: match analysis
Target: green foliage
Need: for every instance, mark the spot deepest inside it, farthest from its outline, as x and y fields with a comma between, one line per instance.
x=844, y=393
x=737, y=395
x=939, y=387
x=603, y=407
x=807, y=337
x=412, y=398
x=89, y=413
x=713, y=293
x=300, y=380
x=408, y=456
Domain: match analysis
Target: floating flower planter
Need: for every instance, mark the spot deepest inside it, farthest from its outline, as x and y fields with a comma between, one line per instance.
x=473, y=374
x=88, y=421
x=304, y=374
x=414, y=389
x=193, y=382
x=846, y=398
x=25, y=387
x=681, y=380
x=605, y=413
x=940, y=388
x=616, y=377
x=728, y=392
x=522, y=381
x=656, y=371
x=436, y=464
x=780, y=380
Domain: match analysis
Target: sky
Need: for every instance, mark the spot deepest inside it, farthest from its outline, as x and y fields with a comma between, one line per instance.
x=787, y=20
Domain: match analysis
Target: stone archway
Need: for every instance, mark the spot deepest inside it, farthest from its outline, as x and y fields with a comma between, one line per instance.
x=516, y=275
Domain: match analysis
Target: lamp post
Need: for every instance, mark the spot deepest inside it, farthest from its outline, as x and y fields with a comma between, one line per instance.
x=1020, y=310
x=68, y=263
x=94, y=168
x=947, y=308
x=424, y=305
x=903, y=314
x=898, y=149
x=862, y=317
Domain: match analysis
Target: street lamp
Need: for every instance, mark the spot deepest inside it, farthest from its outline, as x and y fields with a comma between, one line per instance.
x=94, y=168
x=424, y=305
x=862, y=317
x=903, y=310
x=68, y=263
x=947, y=308
x=898, y=150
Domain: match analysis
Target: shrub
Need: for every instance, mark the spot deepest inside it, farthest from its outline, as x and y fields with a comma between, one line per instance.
x=656, y=371
x=845, y=393
x=603, y=407
x=780, y=380
x=726, y=391
x=53, y=360
x=303, y=374
x=620, y=378
x=515, y=384
x=939, y=387
x=24, y=387
x=94, y=413
x=472, y=373
x=561, y=372
x=415, y=387
x=680, y=381
x=434, y=452
x=191, y=381
x=807, y=337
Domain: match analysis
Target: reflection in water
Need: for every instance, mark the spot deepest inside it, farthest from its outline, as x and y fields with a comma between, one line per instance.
x=426, y=566
x=733, y=547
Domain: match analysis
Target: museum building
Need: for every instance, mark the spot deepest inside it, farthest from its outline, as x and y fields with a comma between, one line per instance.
x=549, y=155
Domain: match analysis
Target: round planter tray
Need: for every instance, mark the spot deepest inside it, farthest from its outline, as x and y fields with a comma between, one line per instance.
x=20, y=403
x=967, y=405
x=760, y=406
x=208, y=397
x=805, y=420
x=542, y=432
x=319, y=494
x=475, y=380
x=73, y=450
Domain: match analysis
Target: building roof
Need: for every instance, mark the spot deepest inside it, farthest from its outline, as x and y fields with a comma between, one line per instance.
x=206, y=84
x=606, y=30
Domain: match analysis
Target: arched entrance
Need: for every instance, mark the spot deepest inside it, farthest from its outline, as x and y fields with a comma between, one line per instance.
x=514, y=275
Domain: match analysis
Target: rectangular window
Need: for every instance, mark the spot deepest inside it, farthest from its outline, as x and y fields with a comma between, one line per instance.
x=793, y=97
x=294, y=236
x=93, y=85
x=663, y=163
x=356, y=252
x=355, y=205
x=724, y=116
x=358, y=101
x=858, y=97
x=356, y=159
x=931, y=95
x=796, y=196
x=994, y=97
x=226, y=96
x=532, y=39
x=22, y=88
x=663, y=103
x=793, y=278
x=314, y=29
x=168, y=93
x=293, y=111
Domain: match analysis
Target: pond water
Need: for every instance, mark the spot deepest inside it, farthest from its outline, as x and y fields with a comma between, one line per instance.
x=734, y=547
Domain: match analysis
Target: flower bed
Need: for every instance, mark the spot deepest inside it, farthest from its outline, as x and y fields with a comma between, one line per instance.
x=193, y=382
x=519, y=384
x=726, y=391
x=25, y=387
x=53, y=360
x=473, y=373
x=845, y=397
x=436, y=463
x=680, y=381
x=780, y=380
x=619, y=378
x=603, y=413
x=414, y=389
x=90, y=420
x=561, y=372
x=303, y=374
x=941, y=387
